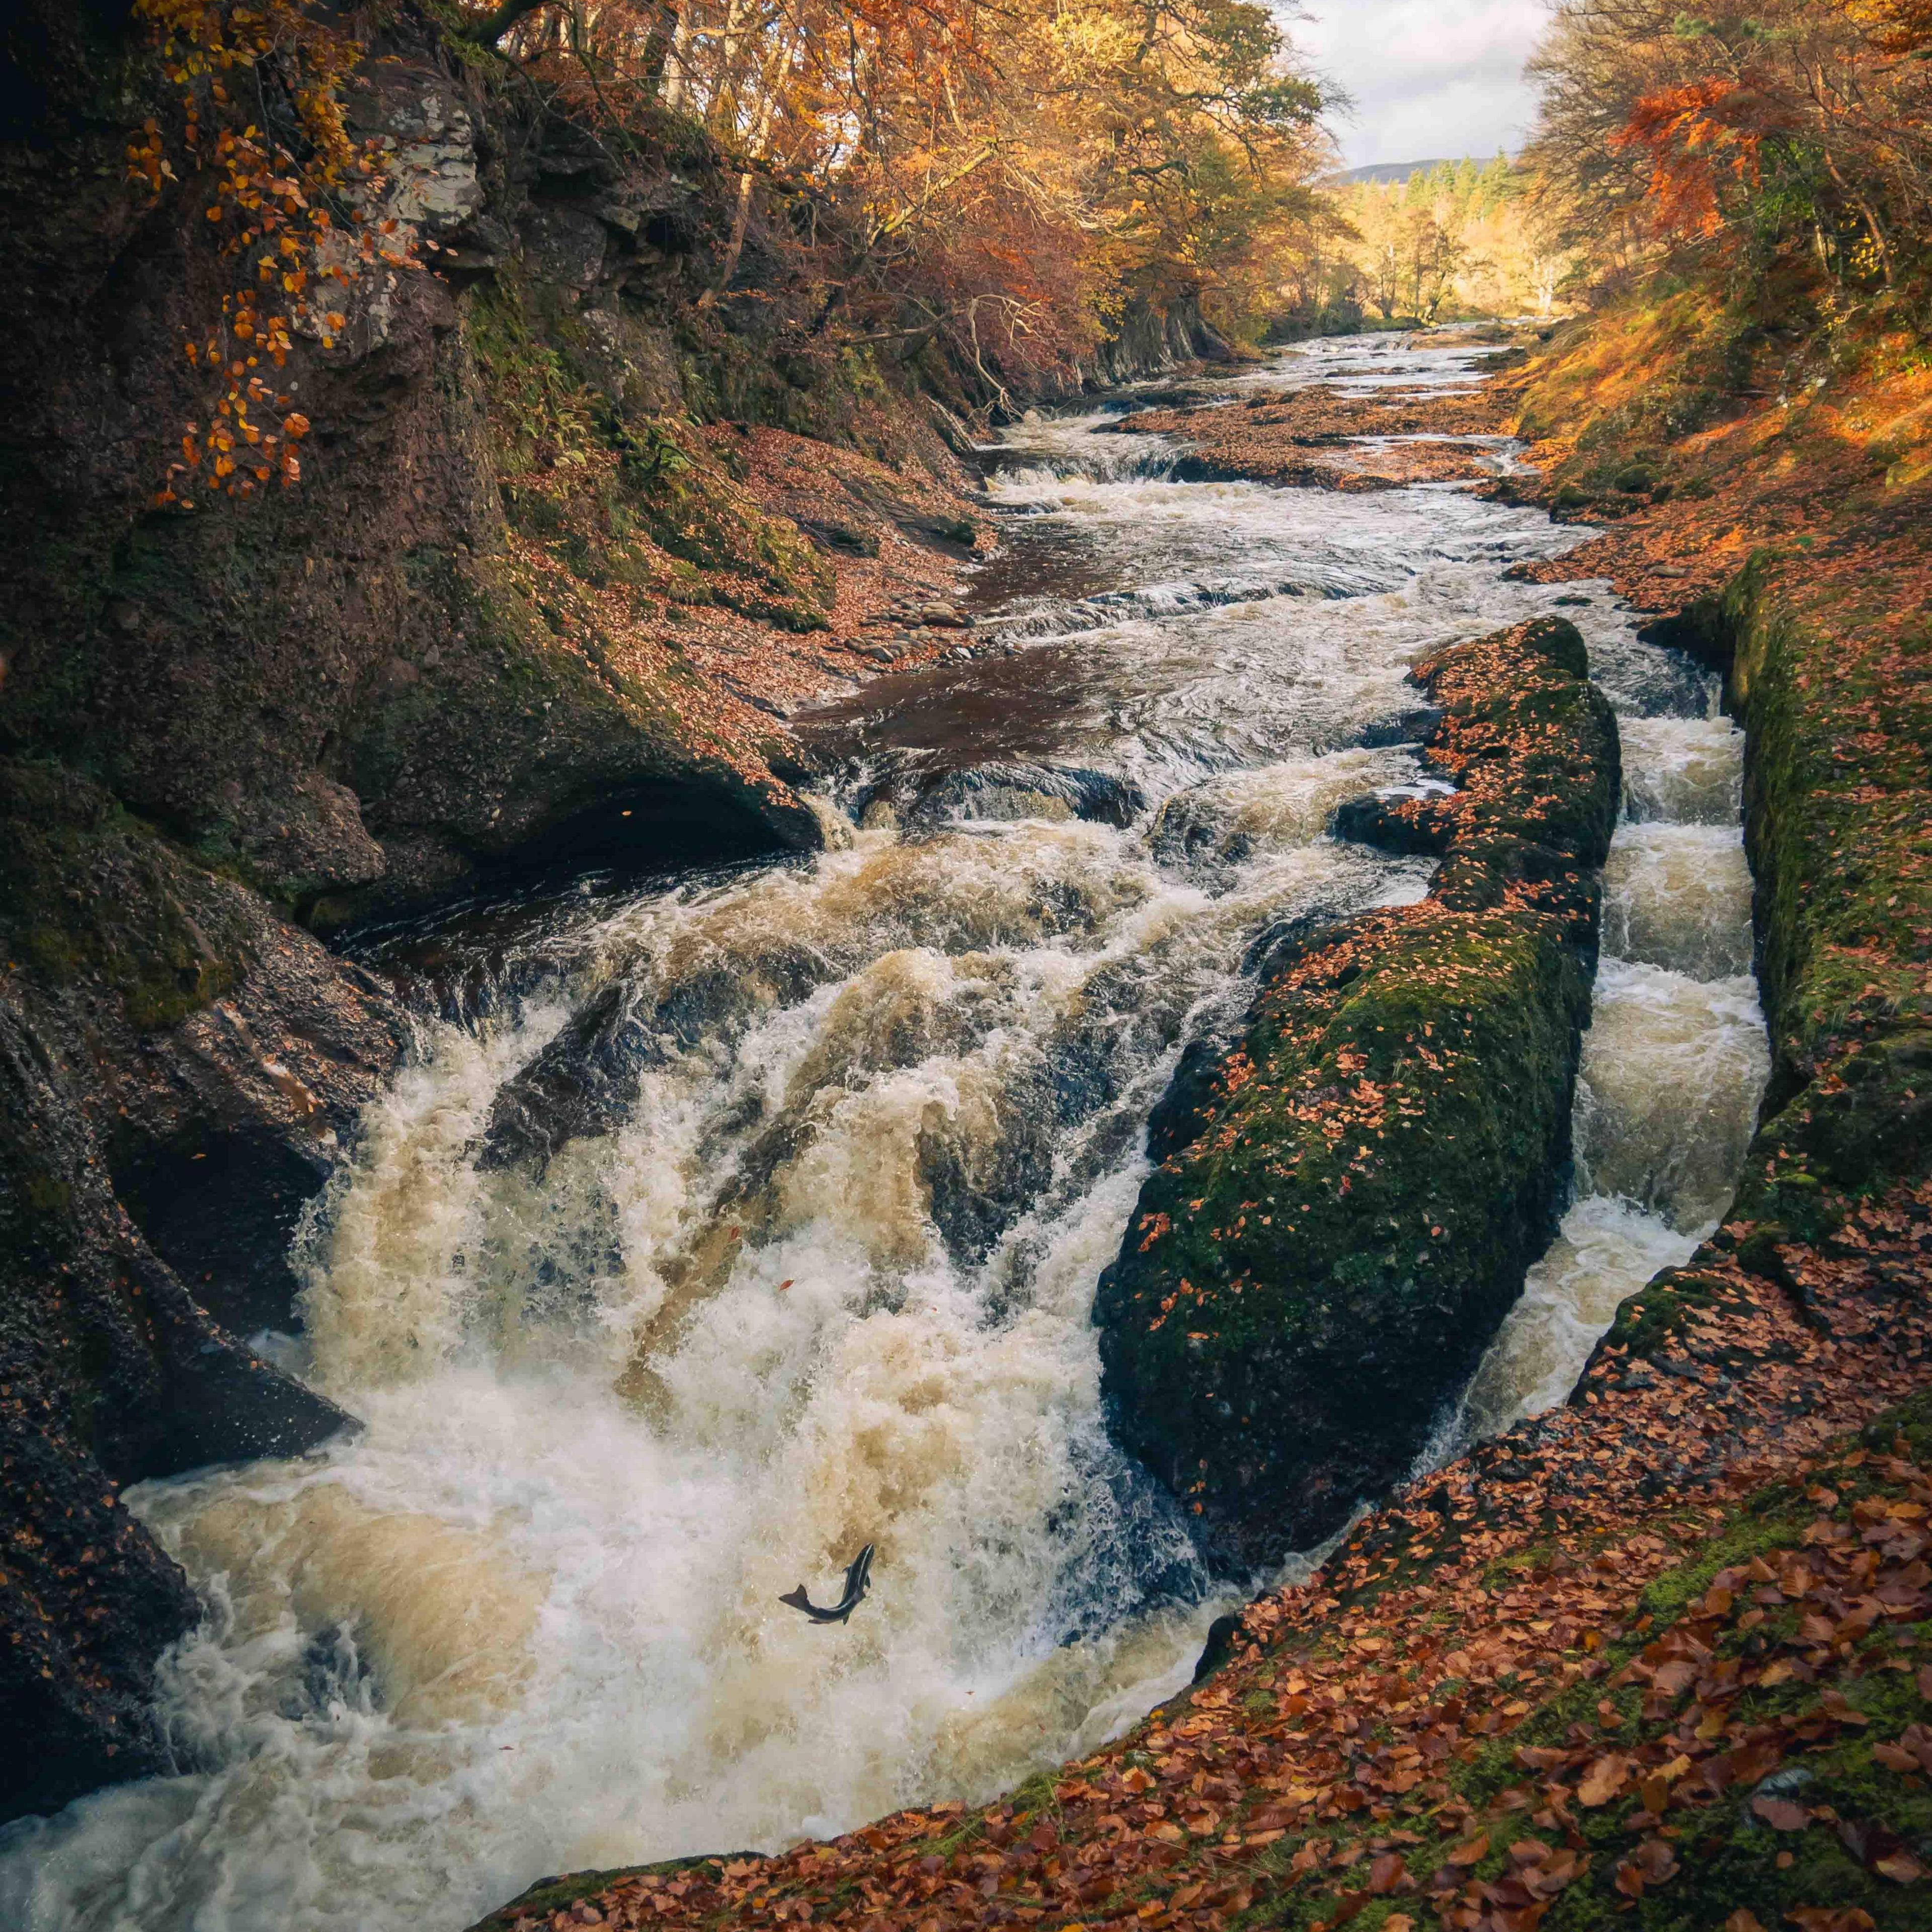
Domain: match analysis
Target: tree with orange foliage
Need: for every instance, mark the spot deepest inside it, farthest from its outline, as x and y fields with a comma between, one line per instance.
x=1000, y=177
x=996, y=179
x=1789, y=125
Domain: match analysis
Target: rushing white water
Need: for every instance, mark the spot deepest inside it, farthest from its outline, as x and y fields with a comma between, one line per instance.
x=818, y=1269
x=1674, y=1065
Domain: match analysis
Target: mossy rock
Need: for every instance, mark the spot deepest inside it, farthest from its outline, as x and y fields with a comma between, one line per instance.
x=1359, y=1190
x=91, y=894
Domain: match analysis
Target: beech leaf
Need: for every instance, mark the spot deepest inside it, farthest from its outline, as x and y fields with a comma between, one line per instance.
x=1602, y=1781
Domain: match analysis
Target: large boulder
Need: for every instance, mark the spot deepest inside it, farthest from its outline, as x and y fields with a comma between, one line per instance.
x=1347, y=1201
x=179, y=1071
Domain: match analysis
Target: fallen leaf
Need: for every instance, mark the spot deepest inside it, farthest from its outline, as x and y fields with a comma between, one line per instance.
x=1656, y=1860
x=1470, y=1851
x=1901, y=1868
x=1743, y=1920
x=1781, y=1814
x=1387, y=1873
x=1602, y=1781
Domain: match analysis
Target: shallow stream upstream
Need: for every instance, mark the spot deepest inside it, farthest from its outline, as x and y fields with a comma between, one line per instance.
x=756, y=1215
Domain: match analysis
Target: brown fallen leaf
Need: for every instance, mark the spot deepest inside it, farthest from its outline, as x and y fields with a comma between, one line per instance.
x=1781, y=1814
x=1470, y=1851
x=1743, y=1920
x=1657, y=1861
x=1387, y=1873
x=1900, y=1867
x=1602, y=1781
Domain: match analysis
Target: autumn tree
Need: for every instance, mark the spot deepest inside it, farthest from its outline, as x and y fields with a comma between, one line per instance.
x=994, y=181
x=1000, y=177
x=1780, y=127
x=256, y=144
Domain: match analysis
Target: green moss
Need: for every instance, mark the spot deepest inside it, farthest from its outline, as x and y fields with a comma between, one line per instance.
x=616, y=492
x=90, y=894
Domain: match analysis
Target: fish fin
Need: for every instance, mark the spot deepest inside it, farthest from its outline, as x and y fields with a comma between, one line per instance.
x=799, y=1600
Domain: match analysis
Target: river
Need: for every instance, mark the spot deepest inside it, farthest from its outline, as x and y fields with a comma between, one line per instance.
x=864, y=1128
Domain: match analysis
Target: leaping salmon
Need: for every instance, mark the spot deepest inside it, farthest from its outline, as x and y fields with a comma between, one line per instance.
x=858, y=1580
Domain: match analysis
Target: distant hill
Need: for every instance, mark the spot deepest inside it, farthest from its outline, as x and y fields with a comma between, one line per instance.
x=1392, y=171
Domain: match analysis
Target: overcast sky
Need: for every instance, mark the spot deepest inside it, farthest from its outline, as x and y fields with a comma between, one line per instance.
x=1429, y=77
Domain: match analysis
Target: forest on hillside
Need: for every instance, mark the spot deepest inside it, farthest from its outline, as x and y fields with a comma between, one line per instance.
x=1001, y=184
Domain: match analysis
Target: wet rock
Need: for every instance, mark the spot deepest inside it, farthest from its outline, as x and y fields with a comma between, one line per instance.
x=179, y=1072
x=1224, y=1637
x=850, y=538
x=1028, y=791
x=937, y=526
x=1184, y=1107
x=229, y=1054
x=1406, y=727
x=1396, y=823
x=586, y=1082
x=978, y=1182
x=1348, y=1200
x=110, y=1371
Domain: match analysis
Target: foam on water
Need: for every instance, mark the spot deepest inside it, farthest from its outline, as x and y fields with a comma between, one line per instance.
x=1674, y=1061
x=822, y=1274
x=1679, y=895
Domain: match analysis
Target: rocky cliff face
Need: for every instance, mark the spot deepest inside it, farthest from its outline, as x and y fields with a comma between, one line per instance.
x=1154, y=339
x=341, y=688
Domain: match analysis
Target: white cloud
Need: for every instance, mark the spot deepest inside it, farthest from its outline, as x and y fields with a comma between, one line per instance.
x=1429, y=77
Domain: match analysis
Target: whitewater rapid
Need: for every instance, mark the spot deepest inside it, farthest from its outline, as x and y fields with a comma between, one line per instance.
x=821, y=1272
